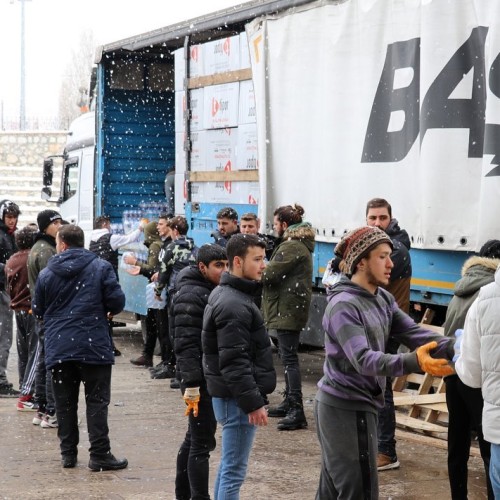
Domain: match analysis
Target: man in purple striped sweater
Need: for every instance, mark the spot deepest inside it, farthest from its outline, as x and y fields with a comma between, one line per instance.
x=359, y=319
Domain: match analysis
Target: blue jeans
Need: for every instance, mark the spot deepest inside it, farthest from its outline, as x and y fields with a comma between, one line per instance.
x=237, y=440
x=495, y=469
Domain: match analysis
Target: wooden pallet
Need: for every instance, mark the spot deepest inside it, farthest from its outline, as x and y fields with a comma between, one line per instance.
x=420, y=399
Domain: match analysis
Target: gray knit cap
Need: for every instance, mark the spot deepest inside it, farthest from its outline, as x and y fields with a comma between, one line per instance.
x=357, y=244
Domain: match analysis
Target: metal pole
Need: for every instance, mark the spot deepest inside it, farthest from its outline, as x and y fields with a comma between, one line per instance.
x=22, y=107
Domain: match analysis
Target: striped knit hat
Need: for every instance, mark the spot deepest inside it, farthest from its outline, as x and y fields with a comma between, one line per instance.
x=357, y=244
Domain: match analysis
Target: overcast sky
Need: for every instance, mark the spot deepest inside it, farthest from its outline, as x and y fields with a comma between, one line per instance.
x=54, y=27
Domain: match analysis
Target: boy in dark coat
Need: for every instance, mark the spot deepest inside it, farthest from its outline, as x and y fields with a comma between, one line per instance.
x=237, y=359
x=194, y=285
x=74, y=295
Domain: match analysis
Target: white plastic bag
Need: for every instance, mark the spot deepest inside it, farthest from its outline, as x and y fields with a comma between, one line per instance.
x=330, y=277
x=151, y=300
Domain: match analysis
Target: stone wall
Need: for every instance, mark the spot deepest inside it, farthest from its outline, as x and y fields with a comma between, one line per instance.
x=23, y=149
x=21, y=167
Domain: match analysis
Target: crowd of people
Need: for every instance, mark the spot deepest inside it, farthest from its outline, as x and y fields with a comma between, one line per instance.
x=215, y=308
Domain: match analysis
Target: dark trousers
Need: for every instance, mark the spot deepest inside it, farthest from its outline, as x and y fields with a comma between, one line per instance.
x=151, y=333
x=387, y=423
x=465, y=409
x=348, y=453
x=191, y=481
x=288, y=348
x=43, y=384
x=27, y=343
x=97, y=385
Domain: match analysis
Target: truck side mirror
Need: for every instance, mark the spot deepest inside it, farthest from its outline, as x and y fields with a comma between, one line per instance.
x=48, y=165
x=46, y=193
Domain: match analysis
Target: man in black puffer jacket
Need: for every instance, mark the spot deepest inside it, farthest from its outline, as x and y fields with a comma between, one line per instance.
x=237, y=359
x=193, y=287
x=73, y=297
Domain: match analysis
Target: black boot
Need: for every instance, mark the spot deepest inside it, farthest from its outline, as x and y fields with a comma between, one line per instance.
x=295, y=418
x=107, y=462
x=281, y=410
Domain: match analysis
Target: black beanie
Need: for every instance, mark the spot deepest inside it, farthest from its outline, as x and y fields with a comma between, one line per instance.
x=491, y=249
x=45, y=218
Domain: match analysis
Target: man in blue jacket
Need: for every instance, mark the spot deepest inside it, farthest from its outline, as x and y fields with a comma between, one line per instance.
x=74, y=295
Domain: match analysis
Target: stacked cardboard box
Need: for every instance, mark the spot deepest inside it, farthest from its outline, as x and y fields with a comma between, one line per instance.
x=223, y=130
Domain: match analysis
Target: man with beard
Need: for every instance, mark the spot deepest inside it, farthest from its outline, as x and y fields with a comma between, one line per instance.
x=379, y=214
x=287, y=294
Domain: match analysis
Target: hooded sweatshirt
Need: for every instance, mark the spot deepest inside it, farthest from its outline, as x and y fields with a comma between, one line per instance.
x=154, y=245
x=287, y=280
x=476, y=272
x=358, y=325
x=73, y=295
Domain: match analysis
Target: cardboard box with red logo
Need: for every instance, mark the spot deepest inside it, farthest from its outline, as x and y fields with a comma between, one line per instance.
x=246, y=112
x=221, y=105
x=197, y=111
x=222, y=55
x=246, y=149
x=198, y=151
x=196, y=67
x=220, y=149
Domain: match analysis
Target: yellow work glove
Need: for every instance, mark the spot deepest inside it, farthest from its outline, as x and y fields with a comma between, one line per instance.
x=437, y=367
x=191, y=398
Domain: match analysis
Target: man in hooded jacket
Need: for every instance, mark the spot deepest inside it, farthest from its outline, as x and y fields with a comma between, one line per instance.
x=9, y=213
x=287, y=282
x=74, y=295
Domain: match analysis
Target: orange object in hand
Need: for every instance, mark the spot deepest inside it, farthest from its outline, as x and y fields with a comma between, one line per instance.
x=437, y=367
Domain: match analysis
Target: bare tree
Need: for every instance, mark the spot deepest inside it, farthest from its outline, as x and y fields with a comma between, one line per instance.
x=74, y=91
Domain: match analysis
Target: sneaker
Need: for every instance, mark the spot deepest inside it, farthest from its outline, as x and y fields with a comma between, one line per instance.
x=385, y=462
x=49, y=422
x=26, y=403
x=38, y=418
x=7, y=391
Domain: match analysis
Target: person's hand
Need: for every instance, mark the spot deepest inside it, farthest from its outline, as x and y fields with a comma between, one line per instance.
x=143, y=223
x=437, y=367
x=458, y=344
x=130, y=259
x=109, y=316
x=258, y=417
x=155, y=276
x=191, y=398
x=133, y=270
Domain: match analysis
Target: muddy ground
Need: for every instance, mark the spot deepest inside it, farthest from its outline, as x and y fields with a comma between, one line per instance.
x=147, y=425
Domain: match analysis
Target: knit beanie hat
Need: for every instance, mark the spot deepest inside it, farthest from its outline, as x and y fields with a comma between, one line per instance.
x=45, y=218
x=491, y=249
x=357, y=244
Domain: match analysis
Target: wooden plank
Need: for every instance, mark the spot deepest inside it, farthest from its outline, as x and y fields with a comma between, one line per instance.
x=224, y=176
x=441, y=443
x=415, y=423
x=418, y=399
x=219, y=78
